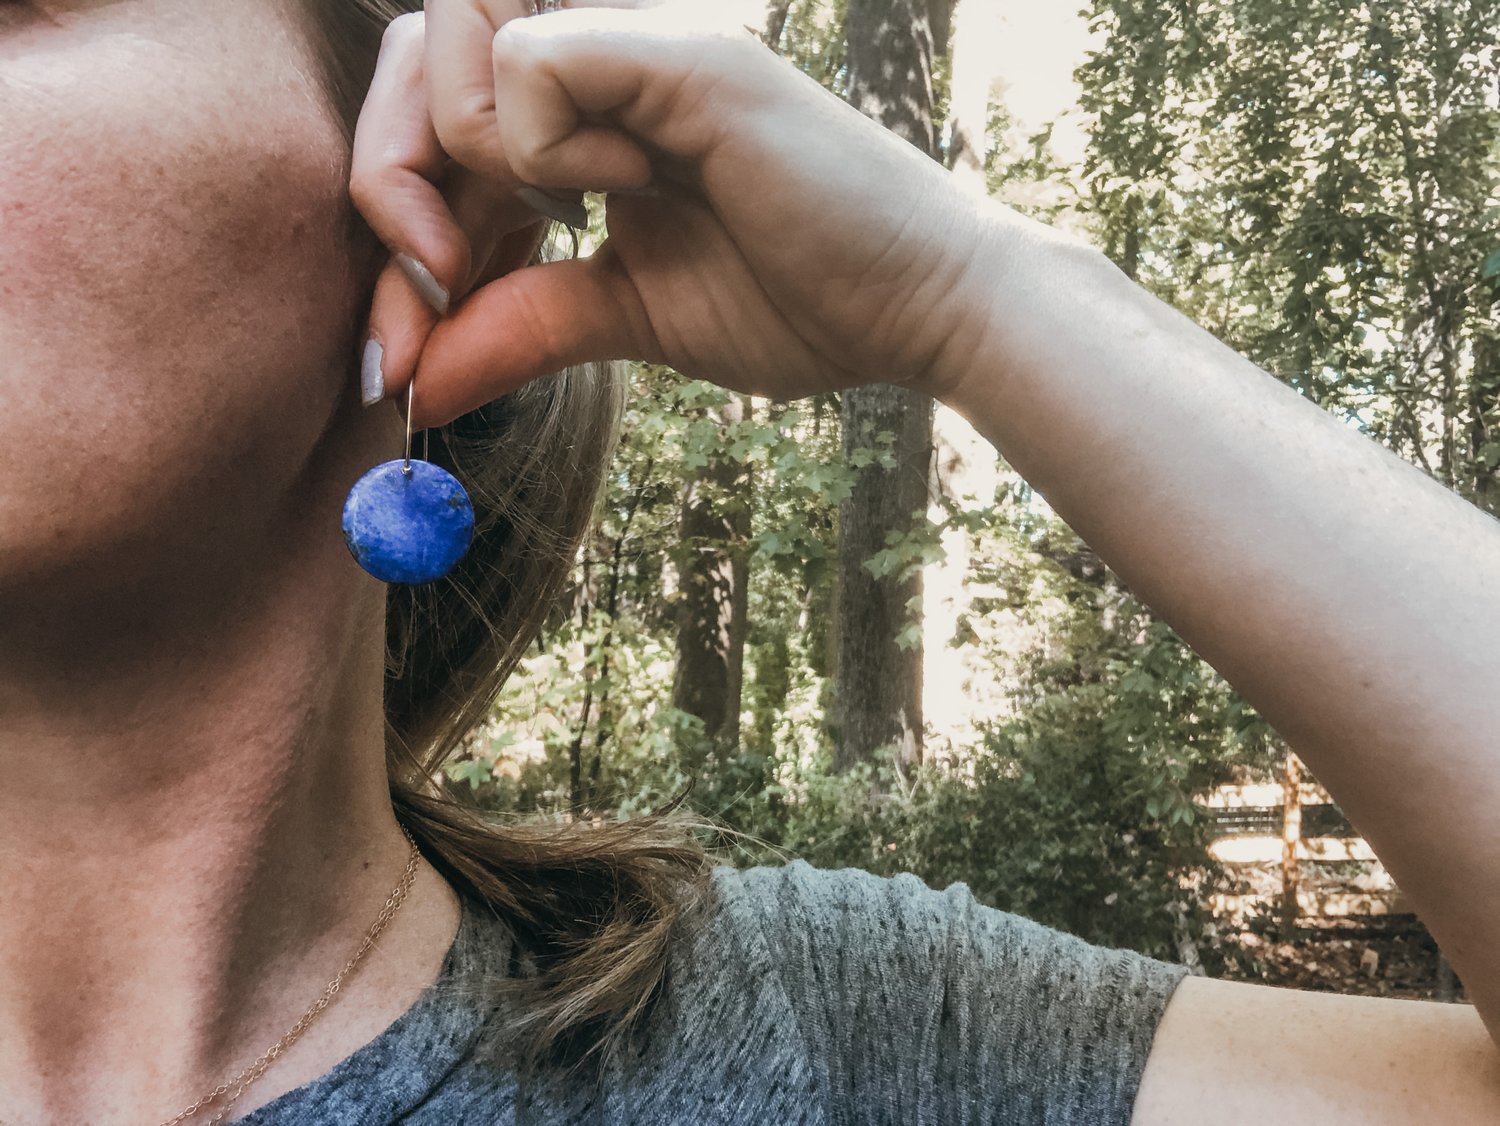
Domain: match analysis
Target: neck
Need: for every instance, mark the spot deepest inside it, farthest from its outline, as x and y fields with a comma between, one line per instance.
x=195, y=834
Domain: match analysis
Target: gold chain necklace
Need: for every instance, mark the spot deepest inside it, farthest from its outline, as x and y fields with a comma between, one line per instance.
x=239, y=1084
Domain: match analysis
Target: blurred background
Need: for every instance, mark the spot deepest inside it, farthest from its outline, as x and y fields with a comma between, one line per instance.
x=860, y=637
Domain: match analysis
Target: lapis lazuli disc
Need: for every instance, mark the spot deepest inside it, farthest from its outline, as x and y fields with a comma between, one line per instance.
x=408, y=528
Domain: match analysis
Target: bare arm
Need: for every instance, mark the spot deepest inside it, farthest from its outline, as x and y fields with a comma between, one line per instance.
x=1232, y=1053
x=1354, y=601
x=1349, y=598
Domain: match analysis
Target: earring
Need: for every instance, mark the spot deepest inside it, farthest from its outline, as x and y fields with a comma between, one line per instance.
x=408, y=521
x=411, y=521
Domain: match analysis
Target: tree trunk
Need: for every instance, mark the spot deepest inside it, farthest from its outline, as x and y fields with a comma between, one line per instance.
x=1484, y=388
x=776, y=14
x=879, y=686
x=1447, y=982
x=1291, y=839
x=890, y=67
x=712, y=612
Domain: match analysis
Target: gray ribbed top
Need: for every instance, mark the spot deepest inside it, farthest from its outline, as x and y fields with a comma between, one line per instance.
x=802, y=996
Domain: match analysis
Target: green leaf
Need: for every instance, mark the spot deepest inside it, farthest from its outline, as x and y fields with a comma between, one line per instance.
x=1491, y=269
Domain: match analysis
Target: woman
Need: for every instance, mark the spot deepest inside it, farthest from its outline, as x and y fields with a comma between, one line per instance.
x=217, y=730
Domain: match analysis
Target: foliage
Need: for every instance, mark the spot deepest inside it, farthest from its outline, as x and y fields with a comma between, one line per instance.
x=1317, y=184
x=1076, y=811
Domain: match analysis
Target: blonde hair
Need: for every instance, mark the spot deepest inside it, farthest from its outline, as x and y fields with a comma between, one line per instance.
x=592, y=905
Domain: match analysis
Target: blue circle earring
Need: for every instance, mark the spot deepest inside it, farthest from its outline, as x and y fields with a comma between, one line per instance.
x=408, y=521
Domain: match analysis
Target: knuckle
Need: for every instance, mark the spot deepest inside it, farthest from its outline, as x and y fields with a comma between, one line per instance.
x=375, y=169
x=507, y=43
x=527, y=161
x=465, y=129
x=404, y=31
x=365, y=188
x=383, y=195
x=546, y=350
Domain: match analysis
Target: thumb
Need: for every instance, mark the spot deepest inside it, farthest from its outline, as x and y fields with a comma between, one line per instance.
x=527, y=324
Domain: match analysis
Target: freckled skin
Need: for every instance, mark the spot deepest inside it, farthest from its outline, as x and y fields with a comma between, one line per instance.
x=178, y=309
x=193, y=792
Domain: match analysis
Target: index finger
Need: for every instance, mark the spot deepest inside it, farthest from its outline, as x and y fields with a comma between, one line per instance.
x=461, y=81
x=396, y=168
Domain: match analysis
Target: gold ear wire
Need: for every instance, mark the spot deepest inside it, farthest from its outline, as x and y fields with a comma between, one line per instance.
x=410, y=387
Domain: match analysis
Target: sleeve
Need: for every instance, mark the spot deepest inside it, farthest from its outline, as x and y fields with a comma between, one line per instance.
x=928, y=1007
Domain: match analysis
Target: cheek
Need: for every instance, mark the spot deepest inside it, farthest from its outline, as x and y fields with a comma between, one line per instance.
x=152, y=260
x=177, y=305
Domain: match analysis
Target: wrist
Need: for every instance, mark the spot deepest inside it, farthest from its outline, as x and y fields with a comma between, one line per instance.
x=1024, y=292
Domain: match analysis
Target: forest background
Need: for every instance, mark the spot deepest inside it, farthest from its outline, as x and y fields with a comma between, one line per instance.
x=864, y=641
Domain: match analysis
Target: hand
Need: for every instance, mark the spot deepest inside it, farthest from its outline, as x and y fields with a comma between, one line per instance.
x=783, y=244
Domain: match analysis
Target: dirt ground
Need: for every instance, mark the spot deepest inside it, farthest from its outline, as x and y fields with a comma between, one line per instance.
x=1388, y=956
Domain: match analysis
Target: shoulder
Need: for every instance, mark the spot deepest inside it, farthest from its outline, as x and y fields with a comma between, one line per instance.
x=821, y=912
x=799, y=904
x=933, y=1001
x=800, y=886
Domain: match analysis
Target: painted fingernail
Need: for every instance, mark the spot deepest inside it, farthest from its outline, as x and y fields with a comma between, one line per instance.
x=428, y=286
x=569, y=211
x=371, y=376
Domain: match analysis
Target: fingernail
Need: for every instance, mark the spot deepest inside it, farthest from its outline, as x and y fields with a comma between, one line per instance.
x=569, y=211
x=428, y=286
x=371, y=377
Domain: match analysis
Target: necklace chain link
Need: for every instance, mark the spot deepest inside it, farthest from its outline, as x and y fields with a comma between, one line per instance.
x=235, y=1087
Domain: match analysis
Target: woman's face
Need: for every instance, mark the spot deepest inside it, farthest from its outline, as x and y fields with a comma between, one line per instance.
x=177, y=303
